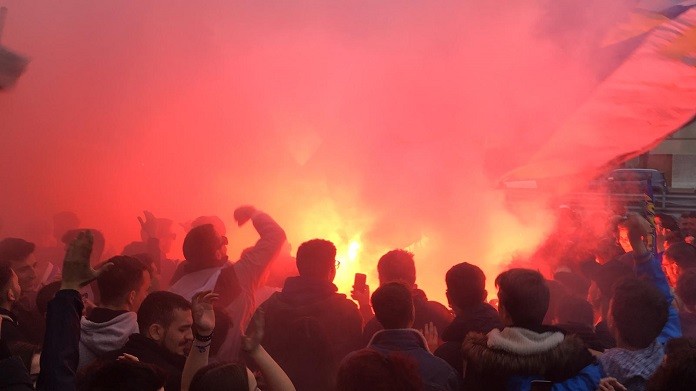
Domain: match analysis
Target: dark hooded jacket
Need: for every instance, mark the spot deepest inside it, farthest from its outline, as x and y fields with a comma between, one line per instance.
x=522, y=356
x=426, y=311
x=309, y=329
x=147, y=351
x=481, y=318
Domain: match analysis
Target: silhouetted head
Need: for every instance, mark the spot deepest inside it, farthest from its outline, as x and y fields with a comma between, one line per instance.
x=369, y=370
x=637, y=313
x=523, y=297
x=204, y=246
x=393, y=306
x=466, y=286
x=20, y=255
x=317, y=259
x=223, y=377
x=125, y=284
x=397, y=266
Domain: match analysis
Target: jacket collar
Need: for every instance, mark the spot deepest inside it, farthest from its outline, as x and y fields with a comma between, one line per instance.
x=399, y=339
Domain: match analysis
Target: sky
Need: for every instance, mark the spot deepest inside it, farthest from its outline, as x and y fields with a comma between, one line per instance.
x=376, y=125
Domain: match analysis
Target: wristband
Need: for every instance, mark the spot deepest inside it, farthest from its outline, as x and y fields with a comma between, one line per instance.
x=202, y=338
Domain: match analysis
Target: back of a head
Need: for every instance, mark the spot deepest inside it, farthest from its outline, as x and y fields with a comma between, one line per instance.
x=15, y=249
x=369, y=370
x=122, y=375
x=683, y=254
x=466, y=285
x=124, y=276
x=200, y=245
x=678, y=371
x=221, y=377
x=638, y=312
x=316, y=258
x=524, y=295
x=686, y=288
x=397, y=266
x=574, y=310
x=393, y=305
x=158, y=308
x=214, y=220
x=668, y=222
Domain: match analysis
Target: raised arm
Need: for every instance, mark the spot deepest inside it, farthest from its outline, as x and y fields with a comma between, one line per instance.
x=254, y=262
x=60, y=354
x=204, y=323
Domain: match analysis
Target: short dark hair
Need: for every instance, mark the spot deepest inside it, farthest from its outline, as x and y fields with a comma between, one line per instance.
x=397, y=265
x=220, y=376
x=639, y=311
x=686, y=287
x=683, y=254
x=368, y=369
x=316, y=258
x=158, y=308
x=678, y=371
x=466, y=285
x=572, y=309
x=124, y=276
x=668, y=222
x=122, y=375
x=525, y=296
x=200, y=245
x=15, y=249
x=393, y=305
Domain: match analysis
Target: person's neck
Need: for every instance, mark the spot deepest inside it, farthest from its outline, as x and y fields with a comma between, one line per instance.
x=122, y=307
x=7, y=305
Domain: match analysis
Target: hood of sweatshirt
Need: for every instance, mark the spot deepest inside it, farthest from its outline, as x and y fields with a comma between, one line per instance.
x=101, y=338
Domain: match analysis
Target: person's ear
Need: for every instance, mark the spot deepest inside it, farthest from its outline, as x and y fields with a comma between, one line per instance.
x=8, y=295
x=155, y=332
x=131, y=298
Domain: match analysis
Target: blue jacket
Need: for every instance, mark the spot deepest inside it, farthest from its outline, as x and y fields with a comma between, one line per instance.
x=651, y=271
x=437, y=375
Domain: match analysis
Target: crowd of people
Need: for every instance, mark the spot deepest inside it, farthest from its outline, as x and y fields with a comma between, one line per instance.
x=615, y=311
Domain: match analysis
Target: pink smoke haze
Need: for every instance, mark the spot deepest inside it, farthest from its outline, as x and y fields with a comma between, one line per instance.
x=376, y=125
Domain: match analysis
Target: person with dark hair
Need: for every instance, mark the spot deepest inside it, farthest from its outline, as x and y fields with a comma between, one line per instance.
x=370, y=370
x=122, y=288
x=393, y=305
x=10, y=291
x=666, y=226
x=399, y=266
x=20, y=255
x=525, y=350
x=575, y=317
x=309, y=326
x=466, y=294
x=687, y=224
x=678, y=370
x=686, y=291
x=165, y=322
x=638, y=313
x=207, y=268
x=676, y=259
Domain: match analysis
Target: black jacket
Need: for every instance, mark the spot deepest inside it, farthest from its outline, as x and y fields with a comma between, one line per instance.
x=12, y=331
x=479, y=319
x=426, y=311
x=309, y=329
x=60, y=354
x=147, y=351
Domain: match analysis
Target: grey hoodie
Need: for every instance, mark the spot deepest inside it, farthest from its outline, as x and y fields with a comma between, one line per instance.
x=97, y=339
